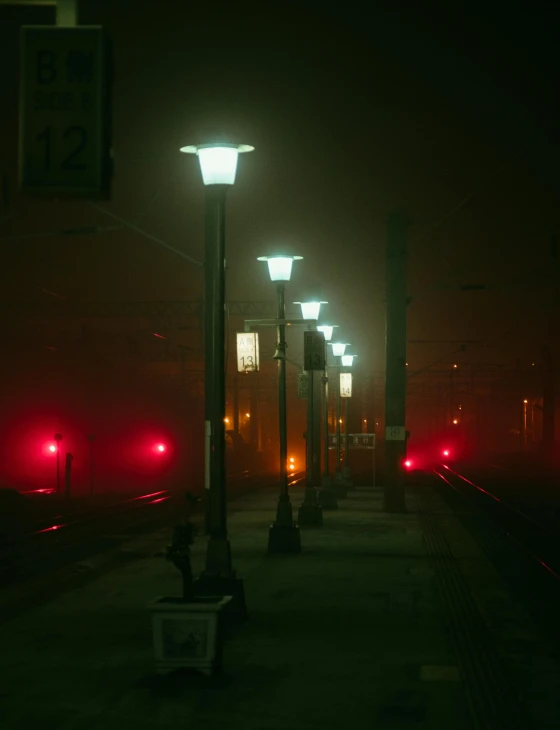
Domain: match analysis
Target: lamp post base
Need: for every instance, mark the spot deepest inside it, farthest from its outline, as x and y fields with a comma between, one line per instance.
x=218, y=578
x=220, y=585
x=327, y=499
x=339, y=487
x=310, y=512
x=284, y=539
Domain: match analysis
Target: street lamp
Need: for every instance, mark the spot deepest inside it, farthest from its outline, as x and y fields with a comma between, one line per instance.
x=346, y=362
x=327, y=498
x=283, y=535
x=218, y=165
x=310, y=512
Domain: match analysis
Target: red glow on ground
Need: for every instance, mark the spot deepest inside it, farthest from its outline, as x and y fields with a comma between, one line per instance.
x=145, y=496
x=161, y=499
x=50, y=529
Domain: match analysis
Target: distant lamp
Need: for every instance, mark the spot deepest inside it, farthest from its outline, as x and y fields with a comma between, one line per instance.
x=310, y=310
x=218, y=161
x=280, y=267
x=525, y=401
x=347, y=360
x=327, y=330
x=455, y=421
x=338, y=348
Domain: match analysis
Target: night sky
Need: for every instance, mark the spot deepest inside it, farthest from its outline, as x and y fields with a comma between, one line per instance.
x=448, y=116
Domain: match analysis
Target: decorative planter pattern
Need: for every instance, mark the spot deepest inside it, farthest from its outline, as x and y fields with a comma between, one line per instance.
x=187, y=634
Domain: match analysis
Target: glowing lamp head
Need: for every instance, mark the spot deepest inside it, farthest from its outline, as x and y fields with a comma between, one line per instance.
x=455, y=421
x=327, y=330
x=52, y=449
x=408, y=463
x=280, y=267
x=218, y=161
x=310, y=310
x=347, y=360
x=160, y=448
x=445, y=452
x=338, y=348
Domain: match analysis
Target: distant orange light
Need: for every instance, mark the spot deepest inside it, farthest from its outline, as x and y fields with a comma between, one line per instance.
x=455, y=421
x=455, y=365
x=525, y=401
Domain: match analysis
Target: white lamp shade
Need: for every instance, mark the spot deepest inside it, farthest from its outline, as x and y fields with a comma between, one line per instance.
x=338, y=348
x=327, y=330
x=347, y=360
x=218, y=164
x=310, y=310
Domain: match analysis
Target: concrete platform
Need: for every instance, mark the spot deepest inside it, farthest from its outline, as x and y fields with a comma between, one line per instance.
x=379, y=623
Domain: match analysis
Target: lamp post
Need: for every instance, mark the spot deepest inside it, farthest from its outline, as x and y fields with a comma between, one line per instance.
x=218, y=165
x=327, y=498
x=283, y=535
x=310, y=512
x=338, y=349
x=346, y=361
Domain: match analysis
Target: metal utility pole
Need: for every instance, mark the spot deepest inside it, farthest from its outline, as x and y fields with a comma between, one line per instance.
x=549, y=404
x=91, y=439
x=67, y=473
x=395, y=371
x=58, y=439
x=236, y=403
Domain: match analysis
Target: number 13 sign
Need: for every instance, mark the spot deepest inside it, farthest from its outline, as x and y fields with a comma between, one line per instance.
x=247, y=352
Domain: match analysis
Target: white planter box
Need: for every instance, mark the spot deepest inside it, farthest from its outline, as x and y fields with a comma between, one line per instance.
x=187, y=634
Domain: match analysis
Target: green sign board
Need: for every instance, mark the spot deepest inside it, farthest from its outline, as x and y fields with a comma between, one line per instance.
x=65, y=117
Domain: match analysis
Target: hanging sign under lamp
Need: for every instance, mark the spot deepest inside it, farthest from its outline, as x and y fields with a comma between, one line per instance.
x=345, y=385
x=247, y=352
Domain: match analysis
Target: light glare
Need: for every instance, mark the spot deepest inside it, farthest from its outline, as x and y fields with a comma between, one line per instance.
x=327, y=330
x=310, y=310
x=338, y=348
x=218, y=165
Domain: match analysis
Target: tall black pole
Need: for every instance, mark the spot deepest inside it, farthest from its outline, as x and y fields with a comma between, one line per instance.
x=395, y=371
x=338, y=472
x=549, y=404
x=310, y=512
x=218, y=577
x=327, y=497
x=325, y=380
x=283, y=536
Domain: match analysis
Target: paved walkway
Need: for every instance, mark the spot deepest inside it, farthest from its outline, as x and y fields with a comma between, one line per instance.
x=367, y=628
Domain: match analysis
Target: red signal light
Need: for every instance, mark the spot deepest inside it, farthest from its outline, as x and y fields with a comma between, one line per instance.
x=446, y=452
x=408, y=463
x=160, y=448
x=52, y=448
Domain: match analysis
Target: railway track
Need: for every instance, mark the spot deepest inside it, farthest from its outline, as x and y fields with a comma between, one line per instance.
x=72, y=537
x=533, y=534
